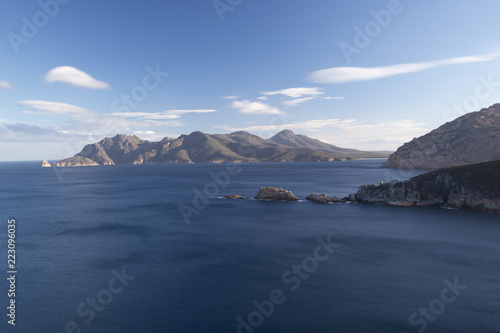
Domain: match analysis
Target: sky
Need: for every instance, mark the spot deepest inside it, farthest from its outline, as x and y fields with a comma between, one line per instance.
x=364, y=74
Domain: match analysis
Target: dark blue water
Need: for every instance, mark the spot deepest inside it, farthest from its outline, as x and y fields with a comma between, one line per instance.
x=388, y=263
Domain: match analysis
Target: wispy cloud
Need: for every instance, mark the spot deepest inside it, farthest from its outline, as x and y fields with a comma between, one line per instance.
x=309, y=125
x=34, y=112
x=334, y=97
x=145, y=115
x=169, y=114
x=179, y=112
x=88, y=122
x=349, y=133
x=230, y=97
x=263, y=98
x=54, y=107
x=75, y=77
x=248, y=107
x=298, y=95
x=295, y=92
x=297, y=101
x=5, y=85
x=22, y=132
x=354, y=74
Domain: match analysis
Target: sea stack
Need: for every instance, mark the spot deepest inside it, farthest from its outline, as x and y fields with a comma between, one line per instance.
x=45, y=164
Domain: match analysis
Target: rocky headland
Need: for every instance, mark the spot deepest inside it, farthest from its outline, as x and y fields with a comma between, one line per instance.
x=471, y=138
x=474, y=186
x=76, y=161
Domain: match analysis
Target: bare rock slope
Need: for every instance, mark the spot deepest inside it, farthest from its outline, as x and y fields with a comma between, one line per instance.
x=472, y=138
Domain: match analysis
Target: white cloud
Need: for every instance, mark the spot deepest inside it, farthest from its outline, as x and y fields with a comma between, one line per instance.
x=75, y=77
x=144, y=132
x=348, y=133
x=334, y=97
x=230, y=97
x=297, y=101
x=354, y=74
x=263, y=98
x=248, y=107
x=5, y=85
x=295, y=92
x=149, y=135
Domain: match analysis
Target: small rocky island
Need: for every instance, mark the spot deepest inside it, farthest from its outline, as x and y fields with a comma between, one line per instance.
x=234, y=196
x=276, y=194
x=474, y=186
x=45, y=164
x=324, y=199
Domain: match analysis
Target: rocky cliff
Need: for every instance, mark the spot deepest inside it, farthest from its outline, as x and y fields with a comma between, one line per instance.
x=474, y=186
x=472, y=138
x=199, y=147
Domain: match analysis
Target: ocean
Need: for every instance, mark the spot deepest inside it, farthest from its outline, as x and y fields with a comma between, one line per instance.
x=155, y=248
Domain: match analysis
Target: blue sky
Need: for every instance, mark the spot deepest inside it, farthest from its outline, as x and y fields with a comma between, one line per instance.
x=361, y=74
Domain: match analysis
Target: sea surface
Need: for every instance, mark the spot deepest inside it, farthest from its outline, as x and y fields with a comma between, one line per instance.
x=155, y=248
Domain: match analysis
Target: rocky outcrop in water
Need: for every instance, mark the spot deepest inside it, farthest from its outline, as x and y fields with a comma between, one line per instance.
x=45, y=164
x=472, y=138
x=234, y=196
x=474, y=186
x=274, y=193
x=324, y=199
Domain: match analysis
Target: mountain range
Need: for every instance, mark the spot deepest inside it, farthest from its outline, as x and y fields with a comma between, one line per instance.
x=199, y=147
x=471, y=138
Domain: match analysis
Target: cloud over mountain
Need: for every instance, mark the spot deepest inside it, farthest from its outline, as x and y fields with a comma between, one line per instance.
x=245, y=106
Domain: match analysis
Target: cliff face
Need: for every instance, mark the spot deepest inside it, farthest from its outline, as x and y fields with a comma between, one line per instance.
x=472, y=138
x=199, y=147
x=474, y=186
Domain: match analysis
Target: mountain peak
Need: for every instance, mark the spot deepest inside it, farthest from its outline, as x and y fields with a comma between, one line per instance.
x=123, y=137
x=241, y=133
x=287, y=132
x=284, y=134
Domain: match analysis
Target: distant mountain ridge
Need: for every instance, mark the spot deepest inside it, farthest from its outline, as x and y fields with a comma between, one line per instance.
x=471, y=138
x=199, y=147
